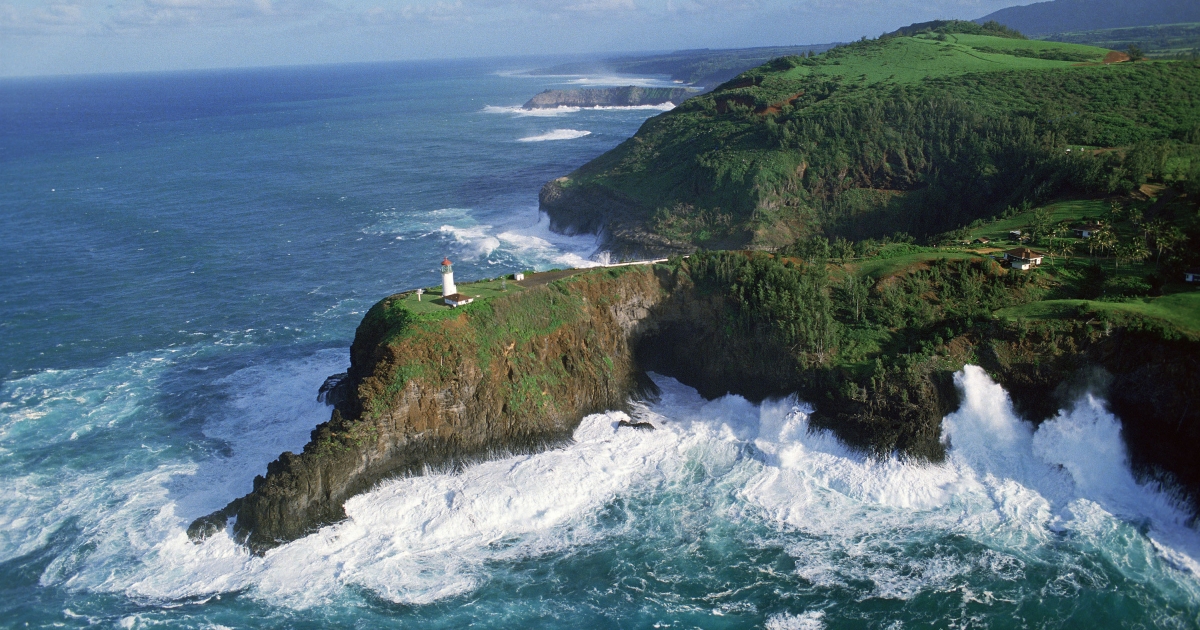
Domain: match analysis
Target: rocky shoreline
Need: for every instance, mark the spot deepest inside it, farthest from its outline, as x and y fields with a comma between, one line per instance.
x=628, y=96
x=517, y=373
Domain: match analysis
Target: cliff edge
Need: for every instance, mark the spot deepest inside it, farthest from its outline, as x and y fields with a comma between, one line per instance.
x=438, y=387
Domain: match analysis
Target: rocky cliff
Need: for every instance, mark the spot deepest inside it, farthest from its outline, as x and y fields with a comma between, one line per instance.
x=518, y=372
x=616, y=219
x=511, y=374
x=628, y=96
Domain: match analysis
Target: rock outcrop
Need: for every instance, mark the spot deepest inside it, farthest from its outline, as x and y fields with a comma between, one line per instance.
x=516, y=373
x=628, y=96
x=619, y=222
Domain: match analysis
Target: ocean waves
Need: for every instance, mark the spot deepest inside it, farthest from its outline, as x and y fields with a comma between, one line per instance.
x=557, y=134
x=1011, y=507
x=1017, y=516
x=563, y=110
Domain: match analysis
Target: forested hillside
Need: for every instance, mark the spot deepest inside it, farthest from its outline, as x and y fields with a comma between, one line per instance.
x=919, y=133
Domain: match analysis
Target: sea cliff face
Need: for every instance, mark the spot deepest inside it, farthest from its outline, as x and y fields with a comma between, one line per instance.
x=518, y=372
x=628, y=96
x=515, y=373
x=617, y=219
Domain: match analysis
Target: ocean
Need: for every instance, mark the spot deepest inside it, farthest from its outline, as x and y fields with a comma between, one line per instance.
x=185, y=259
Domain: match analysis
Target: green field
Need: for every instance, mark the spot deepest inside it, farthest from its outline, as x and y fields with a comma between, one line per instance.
x=918, y=134
x=1070, y=211
x=431, y=302
x=1180, y=310
x=882, y=267
x=1161, y=40
x=915, y=59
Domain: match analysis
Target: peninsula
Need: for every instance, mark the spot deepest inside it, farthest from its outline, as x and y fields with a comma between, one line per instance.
x=845, y=228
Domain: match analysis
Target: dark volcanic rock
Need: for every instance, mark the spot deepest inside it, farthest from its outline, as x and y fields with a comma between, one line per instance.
x=640, y=426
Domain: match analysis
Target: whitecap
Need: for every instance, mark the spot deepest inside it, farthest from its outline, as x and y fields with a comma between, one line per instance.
x=557, y=134
x=517, y=110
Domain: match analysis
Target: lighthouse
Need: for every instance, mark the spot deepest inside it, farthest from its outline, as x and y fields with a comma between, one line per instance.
x=447, y=279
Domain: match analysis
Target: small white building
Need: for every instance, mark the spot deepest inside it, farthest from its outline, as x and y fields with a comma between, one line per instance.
x=1086, y=230
x=518, y=276
x=1191, y=275
x=1023, y=258
x=457, y=299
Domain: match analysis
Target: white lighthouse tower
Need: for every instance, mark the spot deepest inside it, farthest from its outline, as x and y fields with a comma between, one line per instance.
x=448, y=288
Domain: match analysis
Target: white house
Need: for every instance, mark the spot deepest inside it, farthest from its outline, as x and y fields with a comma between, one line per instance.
x=1086, y=230
x=1023, y=258
x=1191, y=275
x=457, y=299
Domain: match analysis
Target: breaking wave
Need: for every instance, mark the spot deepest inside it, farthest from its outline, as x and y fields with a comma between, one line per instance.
x=1019, y=495
x=557, y=134
x=561, y=110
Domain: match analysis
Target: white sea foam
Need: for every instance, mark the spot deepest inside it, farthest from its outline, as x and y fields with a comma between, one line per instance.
x=557, y=134
x=517, y=110
x=848, y=519
x=808, y=621
x=621, y=80
x=562, y=110
x=472, y=242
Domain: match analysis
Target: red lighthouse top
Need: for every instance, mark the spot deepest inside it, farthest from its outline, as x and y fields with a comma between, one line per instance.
x=445, y=261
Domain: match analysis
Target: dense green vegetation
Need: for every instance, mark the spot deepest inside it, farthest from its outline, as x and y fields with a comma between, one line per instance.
x=1165, y=41
x=917, y=134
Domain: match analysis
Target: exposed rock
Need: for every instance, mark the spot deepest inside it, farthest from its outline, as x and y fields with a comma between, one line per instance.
x=618, y=221
x=518, y=372
x=335, y=390
x=640, y=426
x=628, y=96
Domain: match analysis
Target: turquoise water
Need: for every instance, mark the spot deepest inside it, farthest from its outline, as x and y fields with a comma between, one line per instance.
x=185, y=259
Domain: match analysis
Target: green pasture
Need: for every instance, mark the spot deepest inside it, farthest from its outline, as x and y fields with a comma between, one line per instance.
x=1180, y=310
x=1070, y=211
x=1160, y=40
x=883, y=267
x=914, y=59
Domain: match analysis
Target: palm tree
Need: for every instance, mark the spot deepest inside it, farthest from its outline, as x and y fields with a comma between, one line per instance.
x=1133, y=250
x=1102, y=240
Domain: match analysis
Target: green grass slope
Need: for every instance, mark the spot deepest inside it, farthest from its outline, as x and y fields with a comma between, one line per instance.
x=1162, y=40
x=920, y=134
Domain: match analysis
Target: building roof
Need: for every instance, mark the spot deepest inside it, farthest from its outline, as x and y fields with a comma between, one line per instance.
x=1087, y=226
x=1024, y=252
x=445, y=261
x=458, y=297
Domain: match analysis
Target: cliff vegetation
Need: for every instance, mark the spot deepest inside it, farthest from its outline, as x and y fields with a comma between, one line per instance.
x=916, y=133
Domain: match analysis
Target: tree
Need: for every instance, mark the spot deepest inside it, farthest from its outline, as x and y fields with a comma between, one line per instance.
x=1042, y=225
x=855, y=289
x=1135, y=53
x=1102, y=240
x=1060, y=245
x=1133, y=250
x=1168, y=239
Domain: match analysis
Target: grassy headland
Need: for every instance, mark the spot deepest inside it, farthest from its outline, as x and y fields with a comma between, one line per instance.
x=917, y=133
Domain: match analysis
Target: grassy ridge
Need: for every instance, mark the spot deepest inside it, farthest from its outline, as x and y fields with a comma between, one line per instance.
x=917, y=134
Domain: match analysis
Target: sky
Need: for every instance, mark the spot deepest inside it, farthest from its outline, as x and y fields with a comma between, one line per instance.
x=46, y=37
